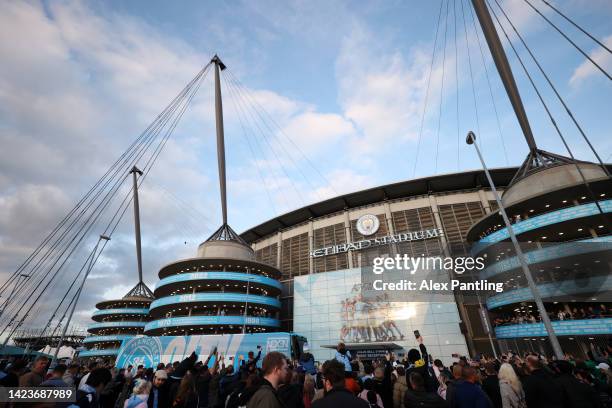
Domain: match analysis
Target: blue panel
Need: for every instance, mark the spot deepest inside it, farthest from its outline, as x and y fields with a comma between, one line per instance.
x=550, y=253
x=216, y=276
x=553, y=289
x=211, y=320
x=215, y=297
x=98, y=353
x=150, y=351
x=121, y=311
x=560, y=327
x=104, y=325
x=98, y=339
x=539, y=221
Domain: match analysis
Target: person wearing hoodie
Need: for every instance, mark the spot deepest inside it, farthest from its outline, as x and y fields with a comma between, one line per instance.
x=418, y=361
x=399, y=388
x=510, y=388
x=140, y=395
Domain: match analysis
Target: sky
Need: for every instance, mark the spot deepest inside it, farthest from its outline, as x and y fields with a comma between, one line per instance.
x=337, y=92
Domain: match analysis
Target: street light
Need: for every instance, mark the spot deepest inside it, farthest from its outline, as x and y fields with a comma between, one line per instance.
x=471, y=140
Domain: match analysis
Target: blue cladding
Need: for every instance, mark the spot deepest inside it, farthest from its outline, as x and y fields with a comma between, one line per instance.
x=211, y=320
x=215, y=297
x=216, y=276
x=561, y=328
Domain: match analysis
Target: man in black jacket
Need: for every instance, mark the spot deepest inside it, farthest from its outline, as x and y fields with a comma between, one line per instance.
x=336, y=395
x=158, y=397
x=576, y=393
x=419, y=362
x=541, y=390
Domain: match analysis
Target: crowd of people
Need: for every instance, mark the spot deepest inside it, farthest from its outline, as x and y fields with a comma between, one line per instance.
x=570, y=311
x=417, y=380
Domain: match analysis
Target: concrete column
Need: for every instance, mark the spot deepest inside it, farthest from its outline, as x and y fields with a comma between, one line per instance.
x=389, y=218
x=433, y=203
x=310, y=246
x=279, y=243
x=483, y=200
x=349, y=237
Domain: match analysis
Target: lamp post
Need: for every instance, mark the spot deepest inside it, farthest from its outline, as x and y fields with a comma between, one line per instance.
x=246, y=305
x=471, y=140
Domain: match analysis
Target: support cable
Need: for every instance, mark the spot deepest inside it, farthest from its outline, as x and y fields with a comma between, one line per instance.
x=457, y=84
x=248, y=142
x=467, y=46
x=577, y=26
x=552, y=86
x=115, y=169
x=484, y=64
x=150, y=162
x=552, y=119
x=49, y=237
x=433, y=58
x=569, y=40
x=238, y=101
x=271, y=147
x=260, y=109
x=441, y=87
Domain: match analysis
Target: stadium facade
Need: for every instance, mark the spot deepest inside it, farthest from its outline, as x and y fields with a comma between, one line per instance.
x=321, y=251
x=563, y=226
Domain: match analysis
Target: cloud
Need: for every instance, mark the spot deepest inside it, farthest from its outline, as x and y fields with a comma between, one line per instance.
x=586, y=69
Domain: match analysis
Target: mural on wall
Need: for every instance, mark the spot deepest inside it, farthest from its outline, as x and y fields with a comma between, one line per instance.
x=366, y=320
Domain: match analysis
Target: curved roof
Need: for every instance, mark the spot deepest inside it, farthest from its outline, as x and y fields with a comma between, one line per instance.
x=410, y=188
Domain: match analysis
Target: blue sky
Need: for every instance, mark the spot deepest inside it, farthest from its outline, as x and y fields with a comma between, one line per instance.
x=345, y=81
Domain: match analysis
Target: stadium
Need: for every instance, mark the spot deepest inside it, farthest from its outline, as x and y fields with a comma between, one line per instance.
x=316, y=282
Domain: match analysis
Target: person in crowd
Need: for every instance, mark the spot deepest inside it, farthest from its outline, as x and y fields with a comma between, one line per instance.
x=290, y=391
x=490, y=384
x=540, y=389
x=418, y=396
x=71, y=375
x=37, y=373
x=274, y=367
x=308, y=391
x=443, y=380
x=186, y=395
x=57, y=377
x=344, y=356
x=251, y=362
x=336, y=395
x=383, y=384
x=307, y=361
x=92, y=366
x=418, y=362
x=158, y=396
x=140, y=395
x=576, y=393
x=88, y=394
x=368, y=392
x=399, y=388
x=14, y=371
x=467, y=393
x=510, y=388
